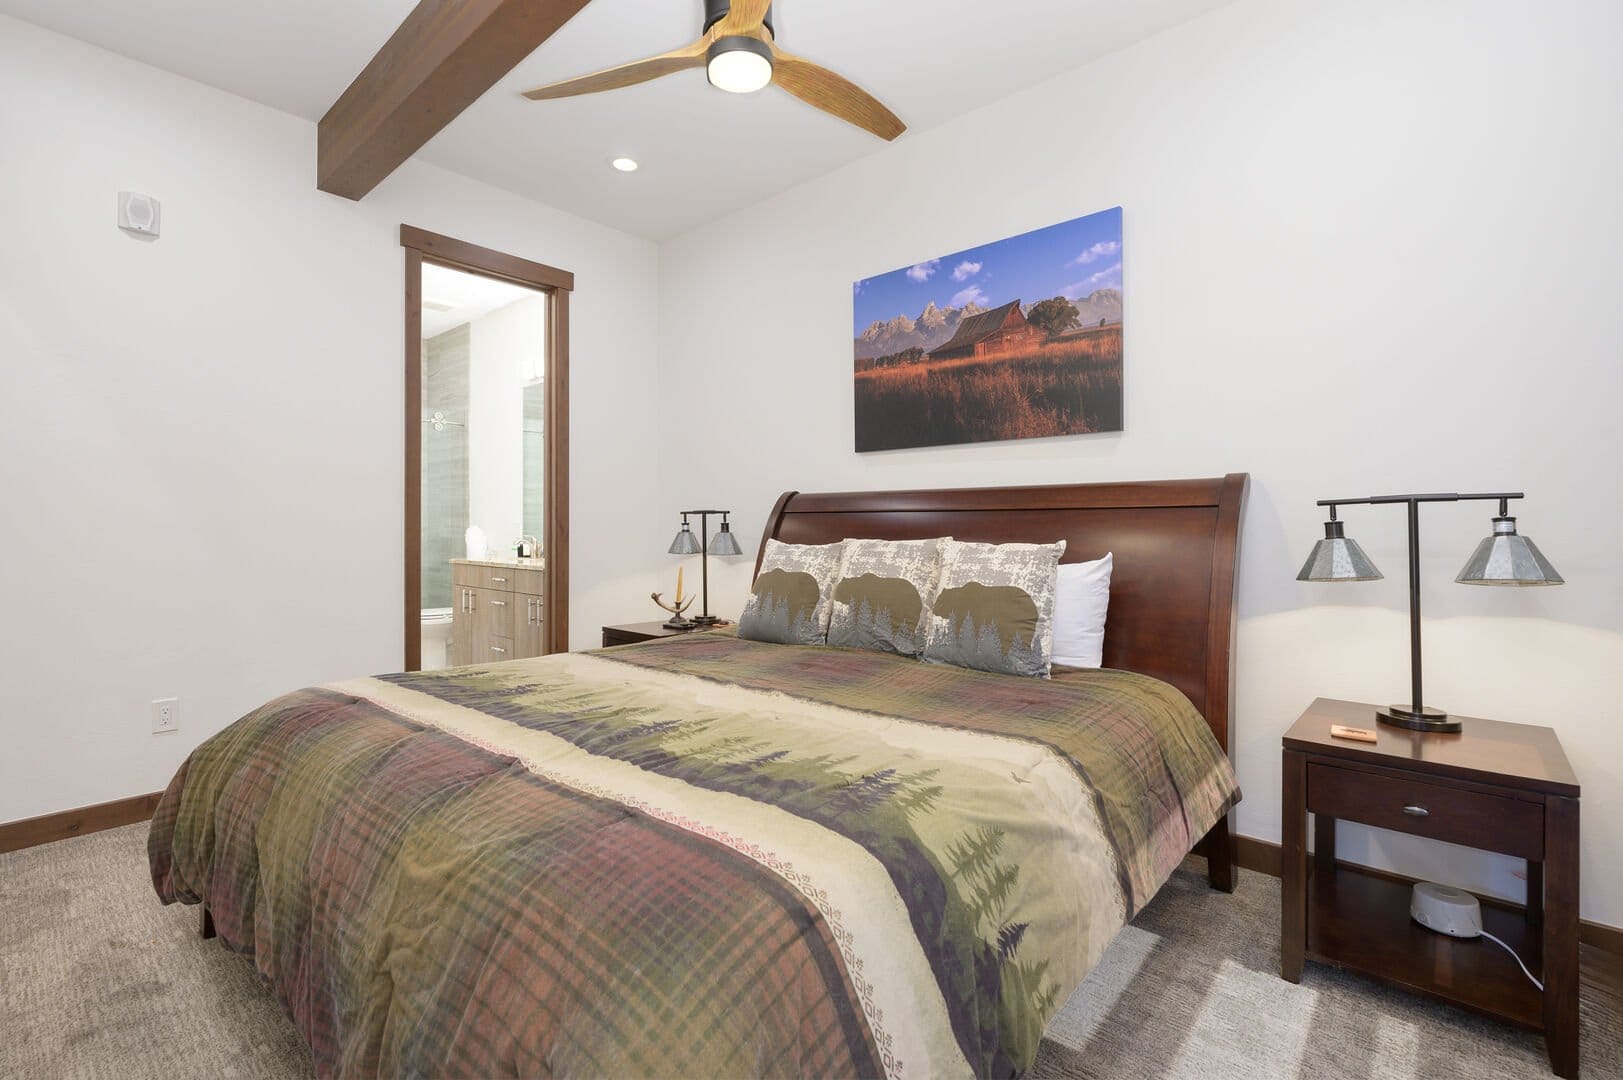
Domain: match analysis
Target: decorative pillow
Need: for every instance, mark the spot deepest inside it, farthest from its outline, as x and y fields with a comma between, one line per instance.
x=882, y=599
x=1080, y=602
x=995, y=608
x=789, y=601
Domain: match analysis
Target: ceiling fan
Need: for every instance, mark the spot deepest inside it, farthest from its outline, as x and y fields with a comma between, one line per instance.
x=740, y=55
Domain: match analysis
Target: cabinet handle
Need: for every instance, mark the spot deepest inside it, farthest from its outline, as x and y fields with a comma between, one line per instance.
x=498, y=603
x=498, y=648
x=499, y=579
x=1417, y=811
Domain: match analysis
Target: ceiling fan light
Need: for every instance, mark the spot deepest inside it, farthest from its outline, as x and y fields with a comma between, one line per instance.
x=739, y=65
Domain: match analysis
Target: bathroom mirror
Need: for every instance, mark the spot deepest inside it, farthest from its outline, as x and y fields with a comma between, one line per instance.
x=486, y=559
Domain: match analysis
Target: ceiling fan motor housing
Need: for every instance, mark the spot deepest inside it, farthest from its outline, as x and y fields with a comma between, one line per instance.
x=716, y=10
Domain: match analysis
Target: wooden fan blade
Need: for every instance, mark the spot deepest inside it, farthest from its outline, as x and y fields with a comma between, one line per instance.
x=638, y=71
x=745, y=17
x=834, y=94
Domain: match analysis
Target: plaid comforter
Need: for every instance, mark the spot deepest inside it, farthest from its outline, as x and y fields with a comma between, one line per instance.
x=694, y=857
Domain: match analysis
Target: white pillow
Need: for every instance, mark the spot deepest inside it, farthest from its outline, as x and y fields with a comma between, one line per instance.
x=1080, y=601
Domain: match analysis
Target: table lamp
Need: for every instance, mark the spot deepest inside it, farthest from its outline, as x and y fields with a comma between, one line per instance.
x=724, y=543
x=1504, y=558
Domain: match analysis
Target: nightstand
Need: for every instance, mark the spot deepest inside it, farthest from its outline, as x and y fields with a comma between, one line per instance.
x=631, y=633
x=1498, y=787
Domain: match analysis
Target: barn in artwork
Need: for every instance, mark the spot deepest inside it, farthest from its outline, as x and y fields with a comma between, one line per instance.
x=1000, y=330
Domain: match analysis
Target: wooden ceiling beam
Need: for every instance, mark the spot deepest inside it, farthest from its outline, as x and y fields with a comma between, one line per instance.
x=443, y=56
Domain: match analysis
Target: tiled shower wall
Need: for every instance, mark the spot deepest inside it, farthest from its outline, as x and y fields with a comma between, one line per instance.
x=445, y=461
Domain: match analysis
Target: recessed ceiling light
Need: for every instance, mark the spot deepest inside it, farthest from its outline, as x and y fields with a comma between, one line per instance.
x=625, y=164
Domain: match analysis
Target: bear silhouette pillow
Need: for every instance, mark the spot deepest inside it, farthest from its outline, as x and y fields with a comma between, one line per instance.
x=883, y=594
x=994, y=609
x=789, y=601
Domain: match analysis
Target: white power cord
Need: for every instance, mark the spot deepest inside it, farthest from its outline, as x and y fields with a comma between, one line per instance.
x=1513, y=956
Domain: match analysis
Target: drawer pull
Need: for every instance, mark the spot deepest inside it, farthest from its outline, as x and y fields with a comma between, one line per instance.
x=498, y=603
x=1417, y=811
x=500, y=579
x=498, y=648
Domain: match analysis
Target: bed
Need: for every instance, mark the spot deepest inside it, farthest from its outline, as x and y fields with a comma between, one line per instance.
x=706, y=856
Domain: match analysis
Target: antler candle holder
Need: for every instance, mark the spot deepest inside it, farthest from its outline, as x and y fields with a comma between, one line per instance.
x=677, y=621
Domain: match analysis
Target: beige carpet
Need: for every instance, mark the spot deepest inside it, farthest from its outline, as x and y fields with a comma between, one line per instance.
x=97, y=979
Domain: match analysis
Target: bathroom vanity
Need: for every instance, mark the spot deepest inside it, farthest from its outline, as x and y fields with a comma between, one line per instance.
x=496, y=610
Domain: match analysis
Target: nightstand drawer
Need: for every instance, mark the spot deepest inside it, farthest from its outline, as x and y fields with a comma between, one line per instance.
x=1405, y=804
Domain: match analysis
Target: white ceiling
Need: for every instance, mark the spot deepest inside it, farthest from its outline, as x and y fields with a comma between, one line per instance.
x=703, y=152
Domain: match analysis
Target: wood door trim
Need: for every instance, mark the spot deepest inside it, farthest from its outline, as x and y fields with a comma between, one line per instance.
x=414, y=459
x=64, y=824
x=424, y=246
x=555, y=498
x=488, y=262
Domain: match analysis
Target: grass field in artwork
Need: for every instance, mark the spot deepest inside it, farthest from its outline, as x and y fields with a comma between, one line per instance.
x=1056, y=389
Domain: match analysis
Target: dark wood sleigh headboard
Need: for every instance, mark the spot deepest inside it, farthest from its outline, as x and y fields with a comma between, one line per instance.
x=1176, y=545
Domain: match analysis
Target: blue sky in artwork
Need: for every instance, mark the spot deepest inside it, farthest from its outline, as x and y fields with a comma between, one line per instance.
x=1072, y=259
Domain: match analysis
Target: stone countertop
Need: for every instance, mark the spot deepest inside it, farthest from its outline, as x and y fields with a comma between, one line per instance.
x=510, y=562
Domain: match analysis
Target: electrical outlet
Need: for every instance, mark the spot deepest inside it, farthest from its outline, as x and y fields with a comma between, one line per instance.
x=165, y=715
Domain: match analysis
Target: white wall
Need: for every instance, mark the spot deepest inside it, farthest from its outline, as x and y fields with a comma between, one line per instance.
x=200, y=437
x=1369, y=247
x=502, y=345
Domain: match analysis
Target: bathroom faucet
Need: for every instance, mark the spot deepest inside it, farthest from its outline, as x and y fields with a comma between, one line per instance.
x=527, y=547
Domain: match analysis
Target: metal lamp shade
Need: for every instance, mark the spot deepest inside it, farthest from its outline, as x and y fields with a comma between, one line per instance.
x=1336, y=558
x=685, y=543
x=724, y=542
x=1506, y=558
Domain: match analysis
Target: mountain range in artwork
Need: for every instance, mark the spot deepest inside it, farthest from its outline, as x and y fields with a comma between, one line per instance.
x=934, y=326
x=1017, y=339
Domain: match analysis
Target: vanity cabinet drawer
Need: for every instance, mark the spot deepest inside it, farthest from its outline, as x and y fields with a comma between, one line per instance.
x=465, y=575
x=495, y=612
x=1404, y=803
x=528, y=580
x=499, y=648
x=497, y=578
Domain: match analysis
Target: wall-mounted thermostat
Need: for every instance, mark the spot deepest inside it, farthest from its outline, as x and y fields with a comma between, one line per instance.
x=138, y=213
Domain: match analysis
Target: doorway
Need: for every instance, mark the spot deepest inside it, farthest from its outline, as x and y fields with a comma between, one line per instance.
x=487, y=442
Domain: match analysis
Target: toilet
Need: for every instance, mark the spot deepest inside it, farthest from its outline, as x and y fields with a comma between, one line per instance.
x=436, y=650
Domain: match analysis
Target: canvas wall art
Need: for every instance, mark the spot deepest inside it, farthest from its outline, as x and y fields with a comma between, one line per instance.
x=1018, y=339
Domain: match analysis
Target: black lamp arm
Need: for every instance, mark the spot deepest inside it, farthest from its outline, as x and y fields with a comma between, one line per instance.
x=1503, y=498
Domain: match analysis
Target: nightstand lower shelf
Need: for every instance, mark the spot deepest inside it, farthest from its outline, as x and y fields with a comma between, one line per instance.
x=1360, y=922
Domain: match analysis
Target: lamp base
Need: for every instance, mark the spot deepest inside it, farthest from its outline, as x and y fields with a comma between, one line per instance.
x=1417, y=718
x=677, y=622
x=706, y=620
